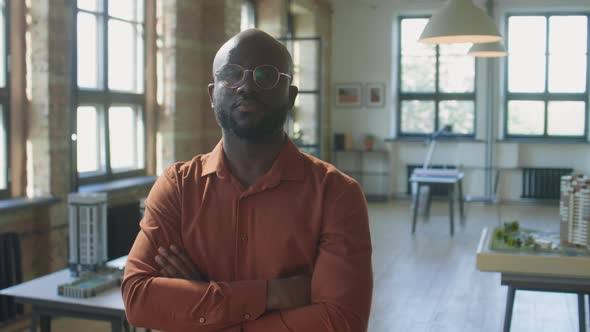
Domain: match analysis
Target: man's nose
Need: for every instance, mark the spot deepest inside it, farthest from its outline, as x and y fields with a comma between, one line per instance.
x=248, y=85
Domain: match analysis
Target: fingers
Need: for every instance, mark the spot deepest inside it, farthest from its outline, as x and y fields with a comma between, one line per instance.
x=166, y=270
x=174, y=263
x=187, y=262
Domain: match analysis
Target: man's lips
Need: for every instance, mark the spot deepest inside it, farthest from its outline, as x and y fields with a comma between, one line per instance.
x=248, y=106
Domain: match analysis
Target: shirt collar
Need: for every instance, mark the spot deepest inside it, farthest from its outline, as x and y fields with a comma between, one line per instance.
x=214, y=162
x=289, y=164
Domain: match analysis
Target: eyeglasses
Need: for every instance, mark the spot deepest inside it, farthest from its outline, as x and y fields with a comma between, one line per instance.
x=266, y=77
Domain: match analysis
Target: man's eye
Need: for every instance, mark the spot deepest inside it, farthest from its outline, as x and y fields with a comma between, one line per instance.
x=231, y=74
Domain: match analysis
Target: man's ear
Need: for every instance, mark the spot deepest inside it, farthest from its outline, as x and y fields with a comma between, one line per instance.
x=211, y=89
x=293, y=91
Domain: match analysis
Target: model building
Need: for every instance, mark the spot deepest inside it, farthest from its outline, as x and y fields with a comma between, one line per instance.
x=88, y=231
x=574, y=210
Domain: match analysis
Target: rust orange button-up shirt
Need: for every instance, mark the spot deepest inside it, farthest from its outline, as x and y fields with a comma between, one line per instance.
x=302, y=217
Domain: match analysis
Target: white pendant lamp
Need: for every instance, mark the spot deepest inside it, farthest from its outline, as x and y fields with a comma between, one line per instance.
x=460, y=21
x=488, y=50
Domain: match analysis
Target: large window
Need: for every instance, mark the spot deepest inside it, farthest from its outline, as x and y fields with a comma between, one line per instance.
x=110, y=135
x=547, y=90
x=248, y=15
x=436, y=84
x=4, y=102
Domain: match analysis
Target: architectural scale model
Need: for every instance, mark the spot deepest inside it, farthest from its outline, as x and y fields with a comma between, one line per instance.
x=87, y=231
x=574, y=210
x=92, y=283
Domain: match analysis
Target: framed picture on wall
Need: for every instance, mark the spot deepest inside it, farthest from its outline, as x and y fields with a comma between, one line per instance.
x=348, y=94
x=374, y=95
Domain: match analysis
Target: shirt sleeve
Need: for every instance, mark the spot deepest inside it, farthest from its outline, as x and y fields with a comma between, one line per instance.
x=176, y=304
x=342, y=280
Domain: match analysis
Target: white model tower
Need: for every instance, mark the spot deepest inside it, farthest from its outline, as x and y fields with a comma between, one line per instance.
x=575, y=210
x=87, y=230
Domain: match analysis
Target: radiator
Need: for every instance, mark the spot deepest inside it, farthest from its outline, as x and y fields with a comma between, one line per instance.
x=10, y=274
x=435, y=189
x=542, y=182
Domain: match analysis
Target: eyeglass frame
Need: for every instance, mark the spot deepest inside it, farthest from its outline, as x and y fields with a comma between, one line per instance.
x=244, y=70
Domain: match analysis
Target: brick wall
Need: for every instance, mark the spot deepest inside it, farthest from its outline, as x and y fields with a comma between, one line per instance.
x=193, y=32
x=49, y=122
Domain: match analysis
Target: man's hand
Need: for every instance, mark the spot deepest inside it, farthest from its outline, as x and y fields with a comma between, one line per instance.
x=175, y=263
x=288, y=293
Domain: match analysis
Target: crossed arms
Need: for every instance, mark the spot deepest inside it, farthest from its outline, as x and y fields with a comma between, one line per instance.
x=164, y=290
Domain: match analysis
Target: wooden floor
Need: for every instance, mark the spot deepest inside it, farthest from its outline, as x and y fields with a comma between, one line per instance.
x=429, y=281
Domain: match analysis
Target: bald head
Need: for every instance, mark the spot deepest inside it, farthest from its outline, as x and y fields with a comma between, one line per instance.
x=249, y=111
x=251, y=48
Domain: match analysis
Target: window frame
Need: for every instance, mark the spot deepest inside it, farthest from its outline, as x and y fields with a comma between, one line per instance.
x=5, y=94
x=546, y=97
x=437, y=96
x=103, y=98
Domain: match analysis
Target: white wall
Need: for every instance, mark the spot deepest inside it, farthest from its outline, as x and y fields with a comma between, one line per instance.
x=364, y=41
x=361, y=53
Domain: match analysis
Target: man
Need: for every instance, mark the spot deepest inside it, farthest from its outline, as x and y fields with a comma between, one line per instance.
x=255, y=235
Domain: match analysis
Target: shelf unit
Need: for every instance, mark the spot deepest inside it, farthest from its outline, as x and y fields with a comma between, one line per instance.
x=370, y=168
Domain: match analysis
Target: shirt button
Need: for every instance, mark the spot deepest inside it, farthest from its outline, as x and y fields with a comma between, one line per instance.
x=202, y=320
x=244, y=238
x=246, y=316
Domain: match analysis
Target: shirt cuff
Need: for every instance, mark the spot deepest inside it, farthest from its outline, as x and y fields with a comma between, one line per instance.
x=249, y=299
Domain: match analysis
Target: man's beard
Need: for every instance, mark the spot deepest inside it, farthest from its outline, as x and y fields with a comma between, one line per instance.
x=271, y=123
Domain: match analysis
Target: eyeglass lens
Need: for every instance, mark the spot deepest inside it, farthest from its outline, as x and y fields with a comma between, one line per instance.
x=265, y=76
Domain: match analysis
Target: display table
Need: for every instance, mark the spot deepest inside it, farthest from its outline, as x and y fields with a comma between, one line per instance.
x=537, y=272
x=41, y=293
x=452, y=182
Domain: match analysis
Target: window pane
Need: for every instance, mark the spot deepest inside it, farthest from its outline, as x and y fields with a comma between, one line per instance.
x=568, y=35
x=126, y=138
x=248, y=16
x=306, y=116
x=456, y=69
x=125, y=56
x=411, y=28
x=418, y=73
x=567, y=53
x=127, y=9
x=566, y=118
x=527, y=34
x=159, y=18
x=3, y=151
x=305, y=56
x=160, y=73
x=88, y=66
x=457, y=73
x=417, y=117
x=459, y=114
x=526, y=118
x=3, y=45
x=567, y=73
x=526, y=73
x=90, y=136
x=91, y=5
x=139, y=57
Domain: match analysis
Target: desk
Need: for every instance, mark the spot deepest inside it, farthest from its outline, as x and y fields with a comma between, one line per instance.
x=41, y=293
x=451, y=182
x=536, y=272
